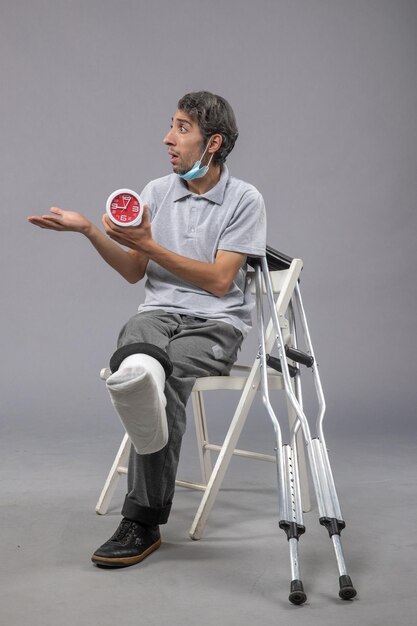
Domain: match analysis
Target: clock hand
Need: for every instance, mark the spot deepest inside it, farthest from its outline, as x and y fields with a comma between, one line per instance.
x=116, y=206
x=126, y=200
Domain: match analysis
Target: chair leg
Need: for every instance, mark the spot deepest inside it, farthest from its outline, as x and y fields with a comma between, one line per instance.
x=202, y=436
x=118, y=467
x=226, y=452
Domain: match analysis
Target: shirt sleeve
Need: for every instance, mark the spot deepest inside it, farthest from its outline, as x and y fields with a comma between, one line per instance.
x=148, y=198
x=246, y=231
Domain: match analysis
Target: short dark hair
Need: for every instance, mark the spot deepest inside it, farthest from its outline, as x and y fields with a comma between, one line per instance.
x=213, y=115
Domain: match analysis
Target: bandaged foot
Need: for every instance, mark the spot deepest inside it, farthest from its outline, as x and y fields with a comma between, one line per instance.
x=137, y=393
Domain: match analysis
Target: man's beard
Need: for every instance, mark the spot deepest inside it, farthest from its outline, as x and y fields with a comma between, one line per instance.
x=182, y=168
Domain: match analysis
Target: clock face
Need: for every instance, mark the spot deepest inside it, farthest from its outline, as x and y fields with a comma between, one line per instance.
x=124, y=207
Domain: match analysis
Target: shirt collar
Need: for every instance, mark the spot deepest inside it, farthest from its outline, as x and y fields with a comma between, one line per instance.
x=215, y=194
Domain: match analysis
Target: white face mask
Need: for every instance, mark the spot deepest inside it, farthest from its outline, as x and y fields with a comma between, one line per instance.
x=197, y=170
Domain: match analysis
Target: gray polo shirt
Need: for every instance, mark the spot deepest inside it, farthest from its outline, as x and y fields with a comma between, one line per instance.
x=230, y=216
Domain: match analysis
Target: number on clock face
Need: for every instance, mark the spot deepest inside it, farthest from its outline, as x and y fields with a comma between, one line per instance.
x=124, y=207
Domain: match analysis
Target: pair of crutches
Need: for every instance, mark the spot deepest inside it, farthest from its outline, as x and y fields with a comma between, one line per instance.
x=290, y=507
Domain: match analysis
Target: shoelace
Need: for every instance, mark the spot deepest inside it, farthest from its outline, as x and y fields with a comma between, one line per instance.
x=123, y=529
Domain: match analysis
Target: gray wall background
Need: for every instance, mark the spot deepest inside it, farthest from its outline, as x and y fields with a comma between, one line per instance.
x=325, y=97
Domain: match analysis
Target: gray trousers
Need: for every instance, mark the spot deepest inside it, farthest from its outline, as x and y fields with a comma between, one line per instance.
x=196, y=347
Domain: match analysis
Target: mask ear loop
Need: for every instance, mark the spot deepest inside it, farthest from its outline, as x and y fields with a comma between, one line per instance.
x=211, y=157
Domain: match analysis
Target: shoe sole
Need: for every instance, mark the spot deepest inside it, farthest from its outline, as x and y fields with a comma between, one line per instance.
x=125, y=562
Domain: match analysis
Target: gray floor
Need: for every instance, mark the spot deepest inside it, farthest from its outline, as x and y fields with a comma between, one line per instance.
x=237, y=574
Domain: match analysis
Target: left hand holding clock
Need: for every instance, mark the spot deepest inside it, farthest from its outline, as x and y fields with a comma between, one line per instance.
x=134, y=237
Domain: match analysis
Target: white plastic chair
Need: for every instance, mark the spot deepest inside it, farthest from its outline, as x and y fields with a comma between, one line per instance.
x=242, y=378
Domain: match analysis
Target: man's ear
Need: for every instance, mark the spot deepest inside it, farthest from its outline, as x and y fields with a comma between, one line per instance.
x=215, y=143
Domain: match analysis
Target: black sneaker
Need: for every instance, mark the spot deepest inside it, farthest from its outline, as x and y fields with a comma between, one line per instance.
x=130, y=544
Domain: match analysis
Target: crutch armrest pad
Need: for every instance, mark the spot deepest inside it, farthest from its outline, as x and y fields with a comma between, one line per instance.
x=275, y=260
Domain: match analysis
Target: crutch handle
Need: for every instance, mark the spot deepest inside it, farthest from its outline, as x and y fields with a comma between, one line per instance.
x=299, y=357
x=275, y=363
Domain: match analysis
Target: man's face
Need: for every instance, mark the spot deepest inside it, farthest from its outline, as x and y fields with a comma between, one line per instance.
x=184, y=141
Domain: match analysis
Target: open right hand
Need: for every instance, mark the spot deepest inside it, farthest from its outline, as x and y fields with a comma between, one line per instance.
x=62, y=221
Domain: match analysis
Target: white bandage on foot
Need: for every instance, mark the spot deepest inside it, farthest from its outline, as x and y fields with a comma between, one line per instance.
x=137, y=393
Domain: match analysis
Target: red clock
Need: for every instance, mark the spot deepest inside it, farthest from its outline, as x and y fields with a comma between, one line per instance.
x=125, y=207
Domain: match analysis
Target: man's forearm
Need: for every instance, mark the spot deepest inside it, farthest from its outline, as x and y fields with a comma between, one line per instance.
x=130, y=264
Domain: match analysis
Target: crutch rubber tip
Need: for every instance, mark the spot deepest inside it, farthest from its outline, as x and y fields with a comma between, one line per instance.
x=347, y=590
x=297, y=595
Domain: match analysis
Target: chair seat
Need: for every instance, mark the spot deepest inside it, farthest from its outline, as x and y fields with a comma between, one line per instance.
x=234, y=381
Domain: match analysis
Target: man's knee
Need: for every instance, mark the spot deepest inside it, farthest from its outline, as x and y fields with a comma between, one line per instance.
x=141, y=348
x=151, y=327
